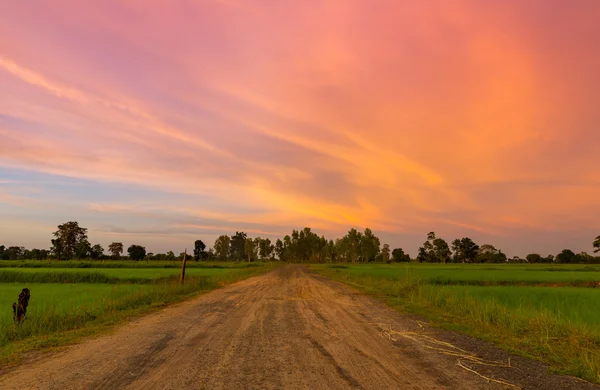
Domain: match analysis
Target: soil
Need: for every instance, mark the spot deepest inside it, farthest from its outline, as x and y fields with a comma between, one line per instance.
x=289, y=329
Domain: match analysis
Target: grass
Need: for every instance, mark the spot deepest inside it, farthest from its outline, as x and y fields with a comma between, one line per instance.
x=570, y=306
x=60, y=314
x=103, y=275
x=557, y=325
x=484, y=274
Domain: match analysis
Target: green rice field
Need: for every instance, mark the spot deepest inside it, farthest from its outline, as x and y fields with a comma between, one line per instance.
x=118, y=274
x=481, y=274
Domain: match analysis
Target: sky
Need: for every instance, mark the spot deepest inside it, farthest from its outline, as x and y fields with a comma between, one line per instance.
x=158, y=123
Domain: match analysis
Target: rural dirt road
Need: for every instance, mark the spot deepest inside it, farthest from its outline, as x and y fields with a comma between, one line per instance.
x=289, y=329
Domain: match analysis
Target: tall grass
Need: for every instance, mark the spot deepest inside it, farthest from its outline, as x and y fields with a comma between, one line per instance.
x=530, y=321
x=472, y=274
x=103, y=275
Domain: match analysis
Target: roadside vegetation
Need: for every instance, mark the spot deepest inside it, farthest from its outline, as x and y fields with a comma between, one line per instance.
x=559, y=325
x=68, y=303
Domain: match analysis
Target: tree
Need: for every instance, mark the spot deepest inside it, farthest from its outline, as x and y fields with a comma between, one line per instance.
x=585, y=258
x=266, y=249
x=426, y=252
x=567, y=256
x=37, y=254
x=96, y=251
x=136, y=252
x=351, y=244
x=489, y=254
x=249, y=248
x=441, y=250
x=385, y=253
x=597, y=244
x=399, y=256
x=116, y=249
x=14, y=253
x=221, y=247
x=534, y=258
x=71, y=240
x=210, y=255
x=237, y=248
x=465, y=250
x=279, y=250
x=422, y=255
x=434, y=250
x=369, y=246
x=199, y=248
x=83, y=249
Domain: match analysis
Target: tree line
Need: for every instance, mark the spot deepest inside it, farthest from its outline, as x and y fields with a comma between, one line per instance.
x=302, y=246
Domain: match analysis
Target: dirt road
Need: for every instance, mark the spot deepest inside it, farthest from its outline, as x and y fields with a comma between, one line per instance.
x=288, y=329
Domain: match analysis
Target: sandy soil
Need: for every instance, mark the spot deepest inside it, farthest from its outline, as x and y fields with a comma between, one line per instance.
x=288, y=329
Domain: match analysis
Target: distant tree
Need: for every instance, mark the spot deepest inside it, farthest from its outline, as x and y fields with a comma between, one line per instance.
x=385, y=253
x=567, y=256
x=399, y=256
x=116, y=249
x=369, y=246
x=136, y=252
x=279, y=250
x=534, y=258
x=14, y=253
x=221, y=247
x=465, y=250
x=71, y=240
x=249, y=249
x=422, y=255
x=516, y=259
x=597, y=244
x=210, y=255
x=237, y=246
x=40, y=254
x=257, y=242
x=548, y=259
x=96, y=251
x=489, y=254
x=427, y=252
x=199, y=248
x=584, y=257
x=351, y=245
x=83, y=249
x=266, y=249
x=441, y=250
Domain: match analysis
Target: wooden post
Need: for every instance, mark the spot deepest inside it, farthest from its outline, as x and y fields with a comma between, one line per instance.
x=183, y=266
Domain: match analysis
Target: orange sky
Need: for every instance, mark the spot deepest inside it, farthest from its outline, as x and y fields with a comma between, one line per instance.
x=159, y=123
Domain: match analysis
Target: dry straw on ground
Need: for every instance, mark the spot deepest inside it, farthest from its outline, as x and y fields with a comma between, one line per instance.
x=465, y=359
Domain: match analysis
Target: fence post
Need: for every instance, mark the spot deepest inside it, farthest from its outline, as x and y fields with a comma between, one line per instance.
x=183, y=267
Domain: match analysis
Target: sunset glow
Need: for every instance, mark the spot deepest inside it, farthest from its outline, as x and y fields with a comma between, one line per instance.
x=156, y=123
